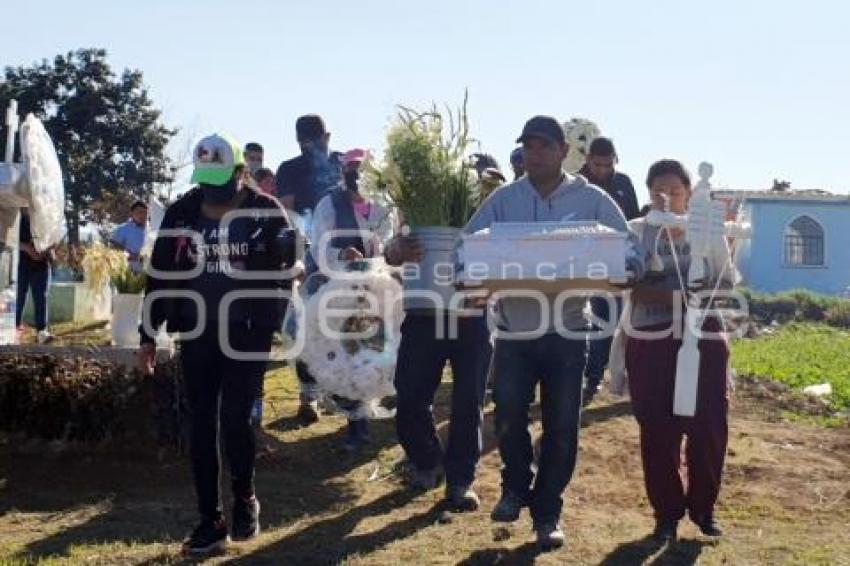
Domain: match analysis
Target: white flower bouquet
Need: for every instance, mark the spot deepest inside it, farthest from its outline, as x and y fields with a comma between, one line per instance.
x=424, y=173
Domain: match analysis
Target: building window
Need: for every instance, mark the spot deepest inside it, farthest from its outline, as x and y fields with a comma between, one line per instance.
x=804, y=242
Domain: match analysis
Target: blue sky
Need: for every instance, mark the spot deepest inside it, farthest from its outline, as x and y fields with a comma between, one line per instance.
x=760, y=89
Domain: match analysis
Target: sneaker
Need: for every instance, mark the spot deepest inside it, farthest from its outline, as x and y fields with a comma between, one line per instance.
x=308, y=410
x=209, y=536
x=462, y=498
x=708, y=526
x=508, y=508
x=549, y=537
x=246, y=518
x=357, y=436
x=425, y=480
x=44, y=337
x=665, y=530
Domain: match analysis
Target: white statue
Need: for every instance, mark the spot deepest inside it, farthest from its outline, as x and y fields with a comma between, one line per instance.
x=707, y=231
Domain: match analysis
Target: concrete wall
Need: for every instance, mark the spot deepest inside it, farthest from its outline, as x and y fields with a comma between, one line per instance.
x=72, y=302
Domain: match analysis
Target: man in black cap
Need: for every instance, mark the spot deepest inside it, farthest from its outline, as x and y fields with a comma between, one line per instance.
x=301, y=183
x=531, y=347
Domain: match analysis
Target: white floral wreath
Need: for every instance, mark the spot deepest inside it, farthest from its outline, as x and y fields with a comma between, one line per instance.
x=357, y=369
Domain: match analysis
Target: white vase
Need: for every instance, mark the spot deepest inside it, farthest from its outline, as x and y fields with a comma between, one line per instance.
x=126, y=315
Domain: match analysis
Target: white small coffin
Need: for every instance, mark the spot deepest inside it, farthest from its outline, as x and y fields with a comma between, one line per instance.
x=544, y=251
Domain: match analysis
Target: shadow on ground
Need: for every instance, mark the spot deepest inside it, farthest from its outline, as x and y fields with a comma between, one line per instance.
x=329, y=541
x=648, y=551
x=525, y=554
x=136, y=500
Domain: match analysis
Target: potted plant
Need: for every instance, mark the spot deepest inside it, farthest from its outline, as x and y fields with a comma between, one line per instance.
x=426, y=177
x=107, y=266
x=127, y=306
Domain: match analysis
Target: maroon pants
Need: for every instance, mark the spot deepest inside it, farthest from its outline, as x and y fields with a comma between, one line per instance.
x=675, y=486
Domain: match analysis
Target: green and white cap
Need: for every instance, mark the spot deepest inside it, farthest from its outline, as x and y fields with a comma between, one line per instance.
x=215, y=158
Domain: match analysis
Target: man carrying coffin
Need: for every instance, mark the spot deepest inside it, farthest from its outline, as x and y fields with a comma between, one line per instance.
x=546, y=193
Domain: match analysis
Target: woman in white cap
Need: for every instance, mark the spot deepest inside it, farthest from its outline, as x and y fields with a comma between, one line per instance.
x=226, y=238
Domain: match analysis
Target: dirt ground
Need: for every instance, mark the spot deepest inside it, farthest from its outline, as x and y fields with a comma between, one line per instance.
x=785, y=499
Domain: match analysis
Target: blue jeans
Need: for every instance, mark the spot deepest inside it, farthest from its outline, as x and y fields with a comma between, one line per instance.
x=38, y=280
x=598, y=349
x=421, y=359
x=558, y=364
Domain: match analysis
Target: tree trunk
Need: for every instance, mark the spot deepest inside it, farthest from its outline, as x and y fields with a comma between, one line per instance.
x=73, y=222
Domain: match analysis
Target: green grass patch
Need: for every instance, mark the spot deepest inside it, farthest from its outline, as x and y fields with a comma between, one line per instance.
x=800, y=354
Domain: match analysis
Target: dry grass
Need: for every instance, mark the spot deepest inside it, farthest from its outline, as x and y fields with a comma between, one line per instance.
x=785, y=500
x=93, y=333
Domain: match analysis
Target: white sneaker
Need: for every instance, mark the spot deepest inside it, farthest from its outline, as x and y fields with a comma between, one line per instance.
x=43, y=337
x=550, y=537
x=308, y=410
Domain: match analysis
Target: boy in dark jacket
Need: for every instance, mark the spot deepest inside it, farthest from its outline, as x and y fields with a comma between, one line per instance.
x=600, y=171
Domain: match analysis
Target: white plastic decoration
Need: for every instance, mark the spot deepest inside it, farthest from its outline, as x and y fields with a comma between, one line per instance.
x=46, y=189
x=355, y=369
x=579, y=133
x=706, y=230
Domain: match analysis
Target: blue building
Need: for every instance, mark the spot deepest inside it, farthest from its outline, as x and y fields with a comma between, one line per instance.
x=801, y=240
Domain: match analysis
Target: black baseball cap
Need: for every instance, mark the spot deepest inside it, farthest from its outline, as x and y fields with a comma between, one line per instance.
x=309, y=127
x=545, y=127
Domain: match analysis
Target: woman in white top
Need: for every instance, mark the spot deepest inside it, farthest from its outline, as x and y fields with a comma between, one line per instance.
x=346, y=227
x=342, y=212
x=651, y=366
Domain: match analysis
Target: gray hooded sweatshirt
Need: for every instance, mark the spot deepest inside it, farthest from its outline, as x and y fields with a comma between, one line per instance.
x=575, y=199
